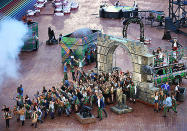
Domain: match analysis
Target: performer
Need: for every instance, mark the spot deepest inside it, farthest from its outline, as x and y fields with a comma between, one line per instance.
x=22, y=115
x=68, y=107
x=80, y=62
x=112, y=94
x=156, y=101
x=133, y=90
x=168, y=105
x=72, y=70
x=100, y=103
x=174, y=103
x=117, y=4
x=165, y=59
x=36, y=41
x=20, y=90
x=161, y=99
x=77, y=102
x=34, y=120
x=49, y=33
x=165, y=88
x=175, y=44
x=160, y=56
x=88, y=56
x=28, y=111
x=52, y=109
x=177, y=92
x=60, y=38
x=39, y=112
x=65, y=71
x=7, y=115
x=103, y=104
x=53, y=35
x=91, y=99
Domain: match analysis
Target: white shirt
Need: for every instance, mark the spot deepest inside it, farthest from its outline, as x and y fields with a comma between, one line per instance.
x=98, y=102
x=156, y=97
x=81, y=63
x=160, y=55
x=63, y=98
x=135, y=89
x=51, y=106
x=168, y=102
x=165, y=62
x=85, y=94
x=175, y=44
x=176, y=88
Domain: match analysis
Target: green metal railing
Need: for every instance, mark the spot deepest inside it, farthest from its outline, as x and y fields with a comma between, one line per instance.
x=169, y=74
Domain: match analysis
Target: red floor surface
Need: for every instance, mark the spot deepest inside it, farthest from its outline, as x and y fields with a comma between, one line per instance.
x=44, y=68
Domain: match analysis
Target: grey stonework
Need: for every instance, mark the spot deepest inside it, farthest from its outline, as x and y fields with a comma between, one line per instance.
x=87, y=120
x=139, y=55
x=123, y=108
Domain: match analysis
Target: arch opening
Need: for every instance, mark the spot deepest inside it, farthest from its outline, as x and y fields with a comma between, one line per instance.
x=119, y=56
x=135, y=20
x=122, y=59
x=137, y=55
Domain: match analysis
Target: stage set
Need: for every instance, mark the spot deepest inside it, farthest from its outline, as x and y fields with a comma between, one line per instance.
x=75, y=76
x=118, y=12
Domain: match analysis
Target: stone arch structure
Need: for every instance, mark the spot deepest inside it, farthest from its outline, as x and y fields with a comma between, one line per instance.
x=139, y=55
x=137, y=51
x=133, y=20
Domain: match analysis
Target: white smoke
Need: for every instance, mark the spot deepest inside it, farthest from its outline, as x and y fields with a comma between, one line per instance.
x=12, y=36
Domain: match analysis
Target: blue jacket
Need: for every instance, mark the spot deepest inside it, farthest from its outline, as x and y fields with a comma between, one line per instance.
x=67, y=83
x=65, y=68
x=165, y=87
x=102, y=104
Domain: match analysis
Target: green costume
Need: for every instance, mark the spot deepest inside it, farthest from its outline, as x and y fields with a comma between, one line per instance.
x=132, y=91
x=99, y=113
x=89, y=53
x=28, y=113
x=86, y=100
x=167, y=109
x=164, y=71
x=174, y=105
x=72, y=68
x=91, y=100
x=67, y=104
x=77, y=102
x=65, y=75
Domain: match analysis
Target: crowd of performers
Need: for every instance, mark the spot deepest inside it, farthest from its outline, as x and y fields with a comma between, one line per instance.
x=164, y=58
x=166, y=99
x=86, y=89
x=90, y=89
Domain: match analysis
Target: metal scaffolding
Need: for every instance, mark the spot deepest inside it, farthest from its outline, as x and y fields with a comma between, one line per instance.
x=177, y=12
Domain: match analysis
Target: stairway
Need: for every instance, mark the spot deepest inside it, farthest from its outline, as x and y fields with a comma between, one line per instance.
x=169, y=25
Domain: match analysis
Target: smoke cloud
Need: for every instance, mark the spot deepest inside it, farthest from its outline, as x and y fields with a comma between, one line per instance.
x=12, y=36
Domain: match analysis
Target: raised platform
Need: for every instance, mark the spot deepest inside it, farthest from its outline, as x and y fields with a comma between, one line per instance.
x=85, y=120
x=117, y=12
x=124, y=109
